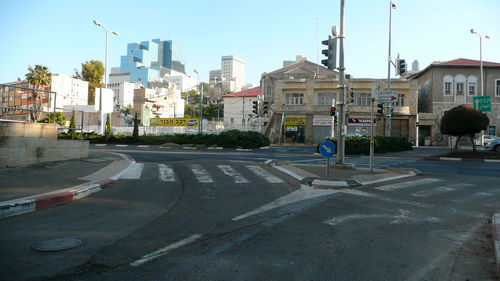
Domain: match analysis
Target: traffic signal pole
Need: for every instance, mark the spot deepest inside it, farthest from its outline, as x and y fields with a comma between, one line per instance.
x=341, y=144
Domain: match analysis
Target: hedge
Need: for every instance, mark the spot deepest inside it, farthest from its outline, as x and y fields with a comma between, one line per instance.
x=230, y=139
x=361, y=145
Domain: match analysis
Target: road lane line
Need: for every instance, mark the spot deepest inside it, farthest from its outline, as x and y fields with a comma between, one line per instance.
x=163, y=251
x=228, y=170
x=406, y=184
x=201, y=174
x=166, y=173
x=265, y=174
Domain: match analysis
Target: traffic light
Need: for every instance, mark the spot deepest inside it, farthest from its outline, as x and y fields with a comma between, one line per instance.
x=255, y=109
x=265, y=107
x=400, y=67
x=332, y=111
x=380, y=108
x=351, y=92
x=335, y=121
x=330, y=53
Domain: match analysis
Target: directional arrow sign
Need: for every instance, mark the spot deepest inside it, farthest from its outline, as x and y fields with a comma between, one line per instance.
x=327, y=148
x=482, y=103
x=385, y=96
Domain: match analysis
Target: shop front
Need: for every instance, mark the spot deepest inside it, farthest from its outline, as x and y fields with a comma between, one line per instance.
x=360, y=126
x=295, y=130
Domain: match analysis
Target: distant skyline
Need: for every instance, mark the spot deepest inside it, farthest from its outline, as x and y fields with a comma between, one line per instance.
x=61, y=35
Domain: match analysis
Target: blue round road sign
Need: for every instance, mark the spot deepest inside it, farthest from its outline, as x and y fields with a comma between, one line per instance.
x=327, y=148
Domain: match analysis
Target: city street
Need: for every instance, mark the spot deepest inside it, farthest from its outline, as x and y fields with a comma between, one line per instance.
x=223, y=216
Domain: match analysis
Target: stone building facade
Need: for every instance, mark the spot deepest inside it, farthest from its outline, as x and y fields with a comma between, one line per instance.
x=444, y=85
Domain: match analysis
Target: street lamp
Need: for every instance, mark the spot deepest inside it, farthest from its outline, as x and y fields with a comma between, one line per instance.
x=480, y=56
x=105, y=66
x=389, y=61
x=200, y=126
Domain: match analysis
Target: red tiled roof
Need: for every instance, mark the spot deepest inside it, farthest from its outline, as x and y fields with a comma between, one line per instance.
x=252, y=92
x=466, y=62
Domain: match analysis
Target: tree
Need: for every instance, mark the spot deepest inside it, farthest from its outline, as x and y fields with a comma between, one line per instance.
x=126, y=110
x=463, y=120
x=40, y=78
x=93, y=71
x=72, y=126
x=60, y=119
x=135, y=134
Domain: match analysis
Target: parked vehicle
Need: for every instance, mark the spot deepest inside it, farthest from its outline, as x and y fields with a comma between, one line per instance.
x=489, y=138
x=493, y=145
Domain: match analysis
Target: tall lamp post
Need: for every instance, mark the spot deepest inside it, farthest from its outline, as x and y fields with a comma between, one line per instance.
x=480, y=56
x=389, y=61
x=200, y=126
x=105, y=65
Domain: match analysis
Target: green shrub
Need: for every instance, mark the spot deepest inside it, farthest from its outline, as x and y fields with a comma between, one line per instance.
x=361, y=145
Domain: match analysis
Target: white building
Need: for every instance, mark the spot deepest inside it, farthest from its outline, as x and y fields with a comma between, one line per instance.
x=158, y=103
x=233, y=68
x=123, y=94
x=238, y=109
x=69, y=91
x=182, y=81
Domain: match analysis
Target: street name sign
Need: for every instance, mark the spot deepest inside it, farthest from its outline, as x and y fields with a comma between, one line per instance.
x=327, y=149
x=482, y=103
x=385, y=96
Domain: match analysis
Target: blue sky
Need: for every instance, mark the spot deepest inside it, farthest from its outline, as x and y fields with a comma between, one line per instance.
x=61, y=35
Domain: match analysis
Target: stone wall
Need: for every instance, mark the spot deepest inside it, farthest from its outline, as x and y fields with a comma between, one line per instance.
x=24, y=143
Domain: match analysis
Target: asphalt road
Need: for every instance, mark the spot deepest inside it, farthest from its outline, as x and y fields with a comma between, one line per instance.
x=203, y=215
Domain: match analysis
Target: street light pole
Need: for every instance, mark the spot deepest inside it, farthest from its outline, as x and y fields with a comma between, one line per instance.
x=480, y=57
x=341, y=146
x=105, y=67
x=392, y=5
x=200, y=126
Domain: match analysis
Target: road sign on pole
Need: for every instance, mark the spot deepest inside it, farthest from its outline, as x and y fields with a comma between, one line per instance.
x=385, y=96
x=482, y=103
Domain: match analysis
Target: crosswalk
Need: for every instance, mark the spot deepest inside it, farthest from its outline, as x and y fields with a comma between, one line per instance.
x=207, y=174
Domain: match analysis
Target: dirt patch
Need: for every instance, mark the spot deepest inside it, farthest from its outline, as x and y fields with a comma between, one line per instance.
x=472, y=155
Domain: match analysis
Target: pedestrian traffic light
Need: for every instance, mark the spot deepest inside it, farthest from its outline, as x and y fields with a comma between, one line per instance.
x=335, y=120
x=351, y=92
x=380, y=108
x=330, y=53
x=400, y=67
x=265, y=107
x=255, y=109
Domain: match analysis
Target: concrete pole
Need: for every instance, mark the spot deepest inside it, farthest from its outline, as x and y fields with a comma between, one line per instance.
x=389, y=105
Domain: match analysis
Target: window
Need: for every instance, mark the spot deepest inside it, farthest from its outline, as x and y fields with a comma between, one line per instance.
x=448, y=85
x=447, y=88
x=497, y=87
x=325, y=98
x=362, y=98
x=460, y=84
x=472, y=89
x=460, y=88
x=294, y=99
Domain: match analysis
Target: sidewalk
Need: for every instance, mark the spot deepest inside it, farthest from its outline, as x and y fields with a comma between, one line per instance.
x=38, y=186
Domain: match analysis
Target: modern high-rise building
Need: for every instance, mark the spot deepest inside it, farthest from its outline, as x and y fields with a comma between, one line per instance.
x=233, y=68
x=145, y=62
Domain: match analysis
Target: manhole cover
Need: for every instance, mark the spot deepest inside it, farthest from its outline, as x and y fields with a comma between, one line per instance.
x=59, y=244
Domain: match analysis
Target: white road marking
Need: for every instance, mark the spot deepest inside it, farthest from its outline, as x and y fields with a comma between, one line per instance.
x=166, y=173
x=406, y=184
x=165, y=250
x=133, y=172
x=201, y=174
x=304, y=193
x=121, y=145
x=442, y=189
x=404, y=216
x=228, y=170
x=101, y=144
x=143, y=146
x=265, y=174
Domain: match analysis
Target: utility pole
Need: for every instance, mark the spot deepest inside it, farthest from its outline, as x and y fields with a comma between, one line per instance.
x=341, y=144
x=389, y=61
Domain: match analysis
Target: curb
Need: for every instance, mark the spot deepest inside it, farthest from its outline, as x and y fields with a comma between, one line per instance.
x=495, y=224
x=346, y=183
x=42, y=201
x=180, y=147
x=461, y=159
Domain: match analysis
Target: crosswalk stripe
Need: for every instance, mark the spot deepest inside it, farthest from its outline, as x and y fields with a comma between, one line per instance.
x=228, y=170
x=166, y=173
x=441, y=189
x=265, y=174
x=391, y=187
x=201, y=174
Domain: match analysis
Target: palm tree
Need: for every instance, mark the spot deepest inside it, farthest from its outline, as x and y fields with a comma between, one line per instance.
x=40, y=78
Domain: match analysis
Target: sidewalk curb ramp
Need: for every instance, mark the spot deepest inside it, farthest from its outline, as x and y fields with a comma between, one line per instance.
x=99, y=180
x=312, y=180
